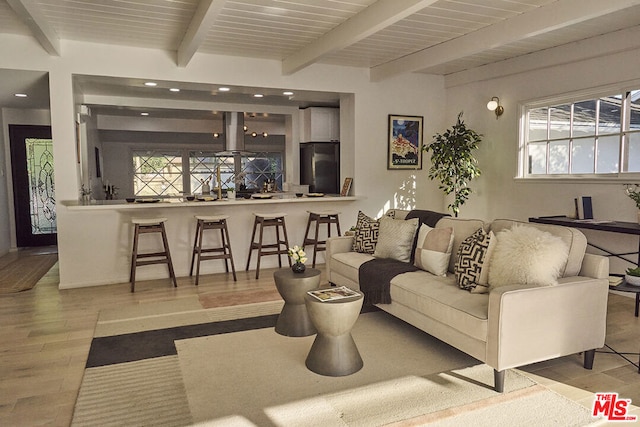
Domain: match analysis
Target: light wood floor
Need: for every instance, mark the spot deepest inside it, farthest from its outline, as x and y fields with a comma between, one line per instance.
x=46, y=334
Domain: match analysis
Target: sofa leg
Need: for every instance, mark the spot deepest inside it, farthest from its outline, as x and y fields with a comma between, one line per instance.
x=589, y=355
x=498, y=380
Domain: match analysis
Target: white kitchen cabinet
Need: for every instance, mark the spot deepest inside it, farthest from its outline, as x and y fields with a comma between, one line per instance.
x=320, y=124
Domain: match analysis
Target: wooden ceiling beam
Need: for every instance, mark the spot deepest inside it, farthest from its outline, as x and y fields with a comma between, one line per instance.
x=29, y=12
x=556, y=15
x=202, y=21
x=374, y=18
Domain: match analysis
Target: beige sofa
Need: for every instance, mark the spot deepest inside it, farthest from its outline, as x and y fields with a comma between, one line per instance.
x=508, y=327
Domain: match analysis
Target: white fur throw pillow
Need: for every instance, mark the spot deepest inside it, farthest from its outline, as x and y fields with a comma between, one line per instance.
x=527, y=256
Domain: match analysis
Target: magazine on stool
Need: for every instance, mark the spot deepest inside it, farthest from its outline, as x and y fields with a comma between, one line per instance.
x=333, y=294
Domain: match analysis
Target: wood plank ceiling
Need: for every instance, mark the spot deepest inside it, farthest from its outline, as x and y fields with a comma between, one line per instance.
x=389, y=37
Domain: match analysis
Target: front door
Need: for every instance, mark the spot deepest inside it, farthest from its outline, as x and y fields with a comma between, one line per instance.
x=33, y=187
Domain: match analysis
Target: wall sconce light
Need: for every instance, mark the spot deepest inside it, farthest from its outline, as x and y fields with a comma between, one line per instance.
x=494, y=105
x=216, y=135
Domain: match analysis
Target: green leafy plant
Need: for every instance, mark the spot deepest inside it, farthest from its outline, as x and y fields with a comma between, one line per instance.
x=633, y=271
x=453, y=163
x=633, y=191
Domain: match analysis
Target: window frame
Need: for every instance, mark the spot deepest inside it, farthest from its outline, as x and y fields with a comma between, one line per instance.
x=593, y=94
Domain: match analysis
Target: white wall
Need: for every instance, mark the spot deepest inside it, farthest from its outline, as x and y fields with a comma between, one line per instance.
x=497, y=194
x=372, y=102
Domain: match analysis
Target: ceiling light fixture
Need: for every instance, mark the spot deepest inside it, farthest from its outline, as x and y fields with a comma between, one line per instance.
x=151, y=84
x=20, y=95
x=258, y=95
x=224, y=89
x=494, y=105
x=144, y=114
x=287, y=93
x=174, y=89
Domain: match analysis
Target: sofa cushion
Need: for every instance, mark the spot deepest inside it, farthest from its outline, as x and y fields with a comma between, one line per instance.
x=528, y=256
x=366, y=235
x=395, y=238
x=347, y=264
x=472, y=264
x=462, y=228
x=433, y=249
x=442, y=300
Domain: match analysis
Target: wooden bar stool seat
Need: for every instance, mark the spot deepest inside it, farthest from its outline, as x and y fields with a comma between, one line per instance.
x=279, y=247
x=212, y=222
x=320, y=217
x=144, y=226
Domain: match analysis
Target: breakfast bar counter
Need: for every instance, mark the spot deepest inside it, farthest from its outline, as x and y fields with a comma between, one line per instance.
x=96, y=237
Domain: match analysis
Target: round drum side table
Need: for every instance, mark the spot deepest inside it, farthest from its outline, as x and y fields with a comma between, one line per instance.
x=334, y=353
x=294, y=320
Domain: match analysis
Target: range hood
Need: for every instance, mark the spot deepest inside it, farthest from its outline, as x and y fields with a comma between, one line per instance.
x=233, y=124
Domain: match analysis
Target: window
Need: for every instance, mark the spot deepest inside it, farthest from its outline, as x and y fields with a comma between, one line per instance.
x=582, y=137
x=160, y=173
x=157, y=173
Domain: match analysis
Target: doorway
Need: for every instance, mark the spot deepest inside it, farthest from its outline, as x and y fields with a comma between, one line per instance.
x=33, y=185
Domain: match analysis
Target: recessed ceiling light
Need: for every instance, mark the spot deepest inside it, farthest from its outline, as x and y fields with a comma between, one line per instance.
x=174, y=89
x=258, y=95
x=224, y=89
x=21, y=95
x=144, y=114
x=151, y=84
x=288, y=93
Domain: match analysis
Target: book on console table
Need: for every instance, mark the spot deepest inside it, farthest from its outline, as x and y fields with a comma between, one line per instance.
x=333, y=294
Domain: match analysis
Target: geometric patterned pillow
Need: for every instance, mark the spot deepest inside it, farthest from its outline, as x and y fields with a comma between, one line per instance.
x=366, y=234
x=472, y=260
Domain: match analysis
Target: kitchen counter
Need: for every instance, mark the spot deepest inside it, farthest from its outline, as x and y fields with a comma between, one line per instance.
x=178, y=202
x=98, y=236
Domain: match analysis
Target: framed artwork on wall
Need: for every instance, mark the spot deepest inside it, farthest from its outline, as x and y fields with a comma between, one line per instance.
x=346, y=186
x=404, y=142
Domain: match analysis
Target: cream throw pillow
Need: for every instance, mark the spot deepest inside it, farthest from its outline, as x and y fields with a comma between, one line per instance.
x=395, y=238
x=527, y=256
x=433, y=249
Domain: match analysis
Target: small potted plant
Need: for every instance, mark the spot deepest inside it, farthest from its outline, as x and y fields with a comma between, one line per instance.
x=299, y=257
x=632, y=276
x=231, y=193
x=633, y=191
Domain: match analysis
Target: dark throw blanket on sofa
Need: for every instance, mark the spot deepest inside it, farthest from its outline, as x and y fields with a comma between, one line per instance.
x=375, y=278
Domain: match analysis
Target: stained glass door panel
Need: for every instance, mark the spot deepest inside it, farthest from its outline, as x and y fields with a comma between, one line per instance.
x=33, y=185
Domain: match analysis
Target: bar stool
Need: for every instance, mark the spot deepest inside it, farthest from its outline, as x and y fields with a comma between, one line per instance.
x=150, y=225
x=212, y=222
x=269, y=220
x=320, y=217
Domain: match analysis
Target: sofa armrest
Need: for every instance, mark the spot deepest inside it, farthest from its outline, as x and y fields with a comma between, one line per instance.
x=596, y=266
x=336, y=245
x=532, y=324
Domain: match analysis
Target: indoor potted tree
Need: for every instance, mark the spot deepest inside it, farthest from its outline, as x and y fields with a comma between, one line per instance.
x=453, y=163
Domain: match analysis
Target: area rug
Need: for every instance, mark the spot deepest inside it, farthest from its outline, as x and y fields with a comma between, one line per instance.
x=24, y=273
x=235, y=370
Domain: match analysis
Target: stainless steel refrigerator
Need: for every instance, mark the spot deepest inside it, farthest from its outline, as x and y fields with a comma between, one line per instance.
x=320, y=166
